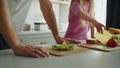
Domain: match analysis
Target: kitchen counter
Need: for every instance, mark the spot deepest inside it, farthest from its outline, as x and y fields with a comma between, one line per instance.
x=86, y=59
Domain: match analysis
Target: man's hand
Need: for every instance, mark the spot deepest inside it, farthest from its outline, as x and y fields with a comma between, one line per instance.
x=72, y=41
x=31, y=51
x=59, y=40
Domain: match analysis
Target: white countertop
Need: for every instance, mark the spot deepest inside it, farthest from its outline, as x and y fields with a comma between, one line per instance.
x=86, y=59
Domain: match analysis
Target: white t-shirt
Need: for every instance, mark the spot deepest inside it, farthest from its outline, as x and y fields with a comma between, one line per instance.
x=19, y=10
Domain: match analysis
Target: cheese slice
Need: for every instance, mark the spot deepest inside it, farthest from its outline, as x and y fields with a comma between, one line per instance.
x=103, y=38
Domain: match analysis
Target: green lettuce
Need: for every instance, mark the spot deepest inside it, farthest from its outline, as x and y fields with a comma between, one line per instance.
x=63, y=47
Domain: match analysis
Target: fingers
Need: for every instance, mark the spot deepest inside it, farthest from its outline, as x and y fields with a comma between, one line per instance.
x=100, y=28
x=77, y=42
x=61, y=40
x=30, y=51
x=103, y=26
x=27, y=52
x=33, y=54
x=39, y=52
x=35, y=51
x=68, y=41
x=43, y=52
x=73, y=41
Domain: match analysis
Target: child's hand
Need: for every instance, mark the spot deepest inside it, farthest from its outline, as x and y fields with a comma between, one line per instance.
x=60, y=40
x=73, y=41
x=92, y=36
x=99, y=27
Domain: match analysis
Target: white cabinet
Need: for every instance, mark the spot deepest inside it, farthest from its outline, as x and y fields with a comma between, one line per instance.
x=38, y=37
x=63, y=10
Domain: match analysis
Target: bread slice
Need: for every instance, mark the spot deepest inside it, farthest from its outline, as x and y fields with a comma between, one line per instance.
x=91, y=41
x=114, y=30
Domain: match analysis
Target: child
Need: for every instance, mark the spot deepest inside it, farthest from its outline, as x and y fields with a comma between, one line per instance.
x=80, y=20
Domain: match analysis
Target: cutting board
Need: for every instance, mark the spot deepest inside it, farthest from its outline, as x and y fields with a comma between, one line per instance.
x=64, y=53
x=103, y=38
x=99, y=47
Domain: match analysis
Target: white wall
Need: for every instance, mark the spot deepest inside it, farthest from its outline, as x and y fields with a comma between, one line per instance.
x=35, y=14
x=100, y=10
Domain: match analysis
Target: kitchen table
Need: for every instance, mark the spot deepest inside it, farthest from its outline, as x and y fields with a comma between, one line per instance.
x=86, y=59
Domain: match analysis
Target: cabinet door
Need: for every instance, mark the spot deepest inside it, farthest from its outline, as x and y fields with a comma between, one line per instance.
x=37, y=39
x=40, y=40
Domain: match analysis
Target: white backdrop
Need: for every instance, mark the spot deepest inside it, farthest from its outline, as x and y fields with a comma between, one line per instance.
x=100, y=10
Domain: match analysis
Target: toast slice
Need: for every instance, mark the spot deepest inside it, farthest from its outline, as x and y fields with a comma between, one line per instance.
x=114, y=30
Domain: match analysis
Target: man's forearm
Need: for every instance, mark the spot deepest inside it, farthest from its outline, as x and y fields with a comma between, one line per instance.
x=49, y=16
x=6, y=27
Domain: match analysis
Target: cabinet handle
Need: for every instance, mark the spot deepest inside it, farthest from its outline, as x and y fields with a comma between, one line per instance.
x=44, y=42
x=21, y=40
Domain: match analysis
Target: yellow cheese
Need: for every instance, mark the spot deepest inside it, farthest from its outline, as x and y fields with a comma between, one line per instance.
x=103, y=38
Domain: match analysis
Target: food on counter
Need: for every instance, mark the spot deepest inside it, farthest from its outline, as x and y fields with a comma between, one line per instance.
x=63, y=47
x=117, y=37
x=91, y=41
x=112, y=43
x=104, y=37
x=109, y=39
x=114, y=31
